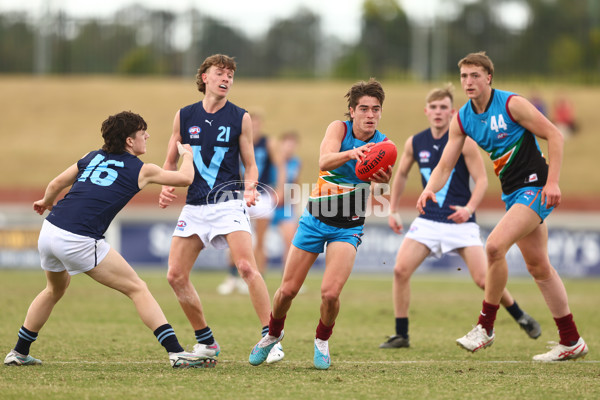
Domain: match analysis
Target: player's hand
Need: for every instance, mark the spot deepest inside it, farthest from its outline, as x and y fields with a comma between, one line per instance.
x=551, y=195
x=40, y=206
x=382, y=176
x=422, y=200
x=359, y=153
x=184, y=148
x=166, y=196
x=395, y=222
x=461, y=214
x=251, y=195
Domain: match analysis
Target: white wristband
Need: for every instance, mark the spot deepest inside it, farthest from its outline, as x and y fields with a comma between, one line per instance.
x=397, y=218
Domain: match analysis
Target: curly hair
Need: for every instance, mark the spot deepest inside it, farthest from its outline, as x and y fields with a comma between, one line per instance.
x=117, y=128
x=372, y=88
x=217, y=60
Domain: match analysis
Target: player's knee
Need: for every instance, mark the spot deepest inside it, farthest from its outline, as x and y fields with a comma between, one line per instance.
x=287, y=293
x=539, y=271
x=177, y=278
x=494, y=251
x=245, y=269
x=401, y=273
x=479, y=281
x=56, y=293
x=329, y=296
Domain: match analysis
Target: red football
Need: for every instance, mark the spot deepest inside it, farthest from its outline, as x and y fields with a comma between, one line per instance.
x=381, y=156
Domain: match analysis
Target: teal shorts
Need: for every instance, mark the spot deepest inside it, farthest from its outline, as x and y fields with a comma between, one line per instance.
x=530, y=196
x=312, y=234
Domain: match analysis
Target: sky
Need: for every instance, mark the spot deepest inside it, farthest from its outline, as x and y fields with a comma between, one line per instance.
x=340, y=18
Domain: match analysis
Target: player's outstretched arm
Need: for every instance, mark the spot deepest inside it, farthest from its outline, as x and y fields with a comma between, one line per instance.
x=152, y=173
x=56, y=185
x=249, y=162
x=398, y=185
x=167, y=194
x=476, y=168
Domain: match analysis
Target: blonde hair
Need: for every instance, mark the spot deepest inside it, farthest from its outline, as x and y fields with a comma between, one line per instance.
x=441, y=94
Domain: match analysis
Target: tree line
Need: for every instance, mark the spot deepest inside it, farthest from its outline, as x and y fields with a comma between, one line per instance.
x=560, y=40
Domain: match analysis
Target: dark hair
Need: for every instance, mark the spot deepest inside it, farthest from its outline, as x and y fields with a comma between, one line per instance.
x=218, y=60
x=372, y=88
x=117, y=128
x=479, y=59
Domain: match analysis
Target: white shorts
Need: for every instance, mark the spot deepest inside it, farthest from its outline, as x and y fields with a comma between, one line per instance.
x=442, y=238
x=264, y=208
x=211, y=222
x=62, y=250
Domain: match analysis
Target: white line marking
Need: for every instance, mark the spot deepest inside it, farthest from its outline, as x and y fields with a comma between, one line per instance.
x=397, y=362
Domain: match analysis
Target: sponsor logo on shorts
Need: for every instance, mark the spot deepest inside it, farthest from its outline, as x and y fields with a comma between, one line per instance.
x=194, y=132
x=181, y=224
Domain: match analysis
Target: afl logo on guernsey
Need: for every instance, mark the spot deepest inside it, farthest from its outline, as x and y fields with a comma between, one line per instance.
x=194, y=132
x=424, y=156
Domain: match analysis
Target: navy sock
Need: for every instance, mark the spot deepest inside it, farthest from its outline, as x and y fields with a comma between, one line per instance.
x=265, y=331
x=167, y=338
x=402, y=327
x=515, y=311
x=26, y=337
x=205, y=336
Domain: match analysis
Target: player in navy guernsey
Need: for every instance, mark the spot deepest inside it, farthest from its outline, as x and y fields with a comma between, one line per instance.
x=507, y=126
x=72, y=236
x=345, y=143
x=220, y=134
x=448, y=225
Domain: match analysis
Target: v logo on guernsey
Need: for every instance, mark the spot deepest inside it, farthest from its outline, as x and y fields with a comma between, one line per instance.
x=209, y=173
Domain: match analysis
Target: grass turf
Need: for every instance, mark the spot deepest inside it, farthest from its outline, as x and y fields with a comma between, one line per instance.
x=95, y=346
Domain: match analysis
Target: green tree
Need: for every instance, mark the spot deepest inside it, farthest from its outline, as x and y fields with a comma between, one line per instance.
x=385, y=38
x=291, y=45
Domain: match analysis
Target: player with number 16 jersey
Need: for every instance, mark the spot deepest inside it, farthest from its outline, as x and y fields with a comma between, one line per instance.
x=97, y=195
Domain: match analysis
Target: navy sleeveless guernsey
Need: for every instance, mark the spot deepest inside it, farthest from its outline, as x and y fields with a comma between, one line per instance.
x=214, y=139
x=427, y=152
x=264, y=163
x=104, y=185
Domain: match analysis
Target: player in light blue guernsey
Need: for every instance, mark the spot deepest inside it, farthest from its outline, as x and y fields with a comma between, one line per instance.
x=338, y=224
x=72, y=236
x=507, y=127
x=448, y=225
x=220, y=134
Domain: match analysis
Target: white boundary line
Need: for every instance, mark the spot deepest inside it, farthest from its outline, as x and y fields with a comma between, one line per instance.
x=397, y=362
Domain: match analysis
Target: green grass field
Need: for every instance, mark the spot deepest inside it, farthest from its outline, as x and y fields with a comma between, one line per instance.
x=95, y=346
